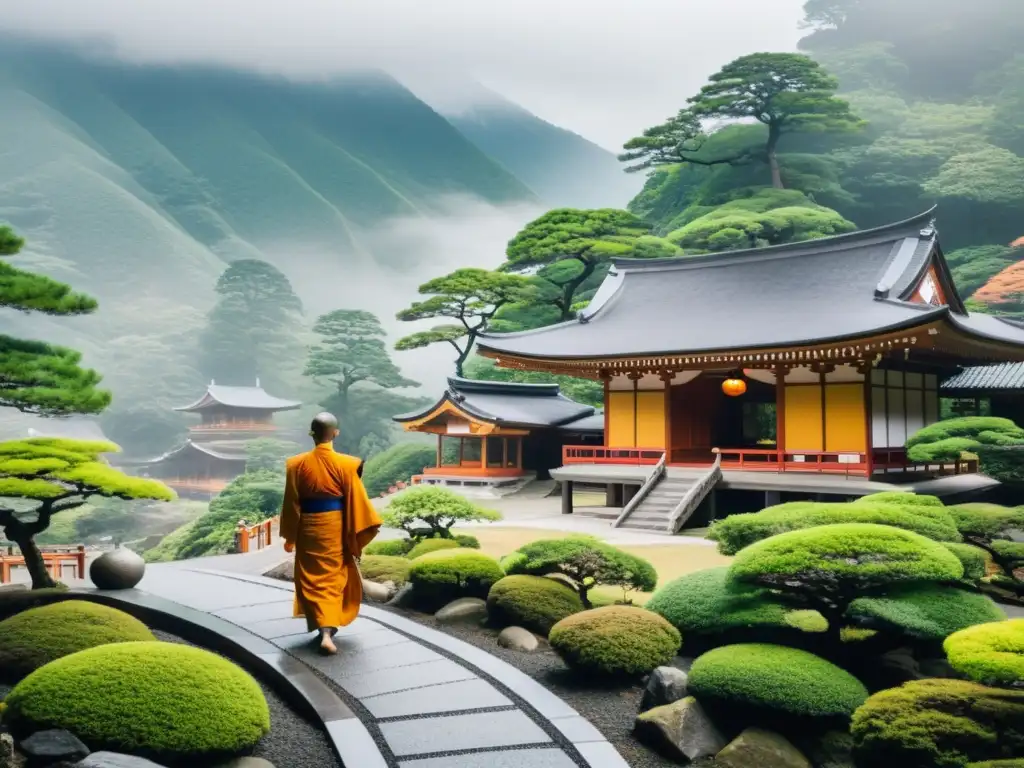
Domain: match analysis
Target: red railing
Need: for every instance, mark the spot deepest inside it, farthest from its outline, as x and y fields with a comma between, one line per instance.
x=55, y=559
x=774, y=460
x=261, y=534
x=600, y=454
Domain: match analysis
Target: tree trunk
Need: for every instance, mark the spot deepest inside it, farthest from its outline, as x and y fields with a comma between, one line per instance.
x=41, y=578
x=774, y=134
x=569, y=289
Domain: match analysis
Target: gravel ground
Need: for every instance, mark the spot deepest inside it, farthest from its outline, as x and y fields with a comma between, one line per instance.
x=611, y=708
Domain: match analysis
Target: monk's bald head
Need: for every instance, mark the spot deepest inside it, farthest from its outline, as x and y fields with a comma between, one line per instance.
x=324, y=427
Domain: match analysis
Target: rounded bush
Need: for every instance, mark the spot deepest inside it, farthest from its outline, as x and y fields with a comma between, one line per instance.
x=901, y=498
x=925, y=611
x=469, y=542
x=616, y=640
x=163, y=701
x=774, y=677
x=974, y=560
x=440, y=577
x=938, y=724
x=534, y=602
x=989, y=653
x=389, y=548
x=35, y=637
x=986, y=521
x=432, y=545
x=383, y=568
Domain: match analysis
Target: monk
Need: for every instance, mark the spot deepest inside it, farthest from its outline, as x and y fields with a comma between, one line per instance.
x=326, y=519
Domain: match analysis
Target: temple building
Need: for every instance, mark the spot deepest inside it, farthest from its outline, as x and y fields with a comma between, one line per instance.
x=989, y=390
x=790, y=371
x=494, y=435
x=215, y=452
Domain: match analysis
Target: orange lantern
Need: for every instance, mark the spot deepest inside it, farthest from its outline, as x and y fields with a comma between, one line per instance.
x=734, y=386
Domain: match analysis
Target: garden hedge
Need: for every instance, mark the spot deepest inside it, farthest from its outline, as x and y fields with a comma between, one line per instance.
x=946, y=440
x=381, y=568
x=615, y=641
x=389, y=547
x=925, y=611
x=901, y=498
x=170, y=703
x=773, y=677
x=989, y=653
x=736, y=532
x=431, y=545
x=974, y=560
x=1004, y=463
x=986, y=521
x=938, y=724
x=534, y=602
x=35, y=637
x=440, y=577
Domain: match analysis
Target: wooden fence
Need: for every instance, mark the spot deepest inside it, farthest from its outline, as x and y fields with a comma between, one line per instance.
x=252, y=538
x=55, y=559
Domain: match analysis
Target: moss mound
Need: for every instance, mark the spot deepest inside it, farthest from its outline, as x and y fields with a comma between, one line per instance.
x=989, y=653
x=440, y=577
x=40, y=635
x=773, y=677
x=616, y=640
x=1013, y=762
x=938, y=724
x=974, y=560
x=901, y=498
x=534, y=602
x=432, y=545
x=15, y=601
x=469, y=542
x=171, y=703
x=382, y=568
x=928, y=612
x=389, y=548
x=984, y=520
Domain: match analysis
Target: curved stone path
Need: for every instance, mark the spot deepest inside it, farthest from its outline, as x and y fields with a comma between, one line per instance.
x=420, y=698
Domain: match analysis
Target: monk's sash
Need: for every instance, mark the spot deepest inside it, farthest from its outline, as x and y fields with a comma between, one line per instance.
x=312, y=506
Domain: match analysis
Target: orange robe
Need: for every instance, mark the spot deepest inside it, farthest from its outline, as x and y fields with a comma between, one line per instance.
x=328, y=588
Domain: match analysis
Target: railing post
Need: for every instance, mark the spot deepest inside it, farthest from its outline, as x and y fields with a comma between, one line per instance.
x=81, y=561
x=241, y=538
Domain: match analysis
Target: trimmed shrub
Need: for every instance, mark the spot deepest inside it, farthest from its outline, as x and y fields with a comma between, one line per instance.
x=946, y=440
x=901, y=498
x=974, y=560
x=389, y=548
x=938, y=724
x=38, y=636
x=170, y=703
x=440, y=577
x=382, y=568
x=15, y=601
x=469, y=542
x=617, y=640
x=534, y=602
x=989, y=653
x=430, y=511
x=431, y=545
x=773, y=677
x=986, y=521
x=735, y=532
x=710, y=603
x=1004, y=463
x=928, y=612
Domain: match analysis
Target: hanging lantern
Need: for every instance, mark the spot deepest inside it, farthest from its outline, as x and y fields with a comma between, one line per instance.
x=734, y=386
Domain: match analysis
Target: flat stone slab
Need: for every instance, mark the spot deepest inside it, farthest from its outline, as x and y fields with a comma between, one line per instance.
x=405, y=678
x=435, y=699
x=519, y=758
x=454, y=733
x=249, y=614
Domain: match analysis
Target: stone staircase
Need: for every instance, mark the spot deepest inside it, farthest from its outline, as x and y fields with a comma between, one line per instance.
x=668, y=502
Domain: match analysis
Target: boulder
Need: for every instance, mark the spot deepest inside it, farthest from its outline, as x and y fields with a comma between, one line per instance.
x=118, y=569
x=761, y=748
x=682, y=731
x=666, y=685
x=404, y=597
x=833, y=749
x=115, y=760
x=374, y=592
x=465, y=610
x=900, y=665
x=518, y=639
x=46, y=747
x=285, y=571
x=8, y=757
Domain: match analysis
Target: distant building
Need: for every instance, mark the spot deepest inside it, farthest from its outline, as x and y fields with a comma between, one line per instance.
x=988, y=390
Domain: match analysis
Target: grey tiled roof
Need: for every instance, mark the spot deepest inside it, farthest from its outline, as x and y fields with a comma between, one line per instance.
x=226, y=450
x=499, y=402
x=240, y=397
x=987, y=377
x=593, y=423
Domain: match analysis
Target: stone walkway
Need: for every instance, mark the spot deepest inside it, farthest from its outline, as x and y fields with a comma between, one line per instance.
x=427, y=699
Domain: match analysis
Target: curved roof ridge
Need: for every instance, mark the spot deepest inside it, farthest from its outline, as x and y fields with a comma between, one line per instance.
x=457, y=385
x=241, y=397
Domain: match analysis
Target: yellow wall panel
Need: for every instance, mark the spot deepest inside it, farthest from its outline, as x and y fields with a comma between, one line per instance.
x=621, y=420
x=803, y=418
x=650, y=419
x=845, y=425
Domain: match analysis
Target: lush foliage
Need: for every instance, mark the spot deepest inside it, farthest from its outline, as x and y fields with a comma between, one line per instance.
x=773, y=677
x=397, y=464
x=929, y=612
x=268, y=454
x=902, y=498
x=534, y=602
x=157, y=700
x=586, y=562
x=440, y=577
x=389, y=548
x=381, y=568
x=615, y=640
x=431, y=545
x=40, y=635
x=938, y=724
x=584, y=391
x=947, y=440
x=426, y=512
x=989, y=653
x=974, y=560
x=989, y=527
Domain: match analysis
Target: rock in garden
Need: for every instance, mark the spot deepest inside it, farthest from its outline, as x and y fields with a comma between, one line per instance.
x=666, y=685
x=45, y=747
x=248, y=762
x=470, y=610
x=518, y=639
x=115, y=760
x=404, y=597
x=8, y=757
x=375, y=592
x=900, y=666
x=118, y=569
x=284, y=571
x=761, y=748
x=833, y=749
x=681, y=731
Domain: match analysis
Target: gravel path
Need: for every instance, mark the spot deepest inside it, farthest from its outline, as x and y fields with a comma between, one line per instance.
x=611, y=708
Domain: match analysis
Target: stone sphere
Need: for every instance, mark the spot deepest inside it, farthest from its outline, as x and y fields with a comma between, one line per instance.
x=117, y=569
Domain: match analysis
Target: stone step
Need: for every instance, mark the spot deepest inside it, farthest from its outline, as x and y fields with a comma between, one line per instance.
x=646, y=527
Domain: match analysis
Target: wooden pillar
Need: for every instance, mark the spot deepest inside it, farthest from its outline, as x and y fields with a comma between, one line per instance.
x=869, y=448
x=483, y=455
x=567, y=497
x=439, y=454
x=780, y=414
x=666, y=378
x=606, y=380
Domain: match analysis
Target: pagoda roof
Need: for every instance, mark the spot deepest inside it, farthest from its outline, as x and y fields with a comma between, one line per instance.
x=1002, y=377
x=225, y=450
x=251, y=398
x=814, y=292
x=506, y=404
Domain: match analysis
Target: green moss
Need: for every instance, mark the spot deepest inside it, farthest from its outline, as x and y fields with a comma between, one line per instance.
x=615, y=640
x=938, y=724
x=735, y=532
x=986, y=521
x=1013, y=762
x=440, y=577
x=924, y=611
x=534, y=602
x=469, y=542
x=773, y=677
x=848, y=557
x=15, y=601
x=37, y=636
x=989, y=653
x=974, y=560
x=901, y=498
x=383, y=568
x=171, y=703
x=431, y=545
x=389, y=547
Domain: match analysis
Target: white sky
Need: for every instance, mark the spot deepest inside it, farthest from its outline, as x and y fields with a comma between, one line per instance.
x=603, y=68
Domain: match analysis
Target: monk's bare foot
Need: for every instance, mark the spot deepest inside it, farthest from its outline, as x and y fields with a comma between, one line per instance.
x=327, y=645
